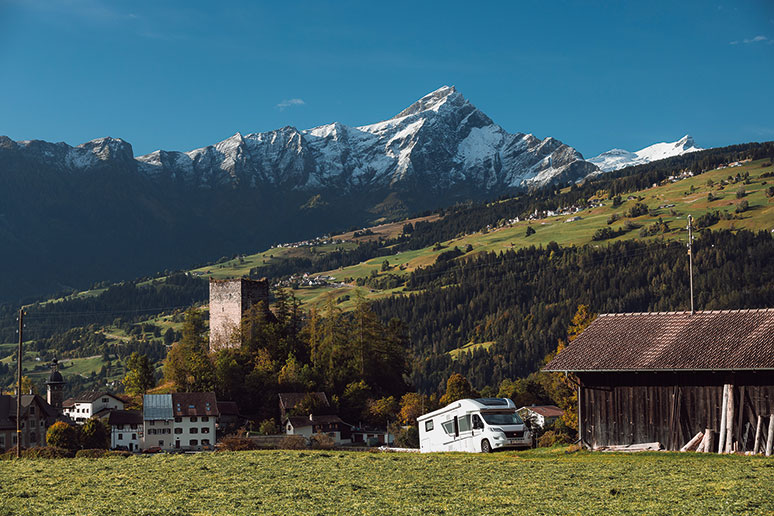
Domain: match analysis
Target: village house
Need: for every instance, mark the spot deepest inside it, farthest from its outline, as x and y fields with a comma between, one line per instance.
x=179, y=421
x=307, y=426
x=665, y=378
x=36, y=416
x=126, y=430
x=541, y=416
x=371, y=436
x=89, y=404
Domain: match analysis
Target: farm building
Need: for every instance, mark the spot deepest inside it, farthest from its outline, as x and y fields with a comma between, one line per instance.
x=540, y=415
x=665, y=377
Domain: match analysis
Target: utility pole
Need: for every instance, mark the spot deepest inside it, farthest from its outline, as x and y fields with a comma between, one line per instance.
x=690, y=257
x=18, y=384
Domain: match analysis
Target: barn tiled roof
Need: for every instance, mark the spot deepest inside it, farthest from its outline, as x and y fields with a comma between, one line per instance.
x=705, y=341
x=125, y=417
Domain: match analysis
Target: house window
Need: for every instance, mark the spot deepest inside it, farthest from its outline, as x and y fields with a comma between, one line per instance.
x=193, y=442
x=119, y=427
x=178, y=430
x=134, y=437
x=193, y=419
x=205, y=419
x=290, y=428
x=161, y=442
x=205, y=442
x=133, y=427
x=104, y=400
x=178, y=419
x=33, y=437
x=32, y=410
x=205, y=430
x=120, y=437
x=151, y=423
x=191, y=406
x=193, y=430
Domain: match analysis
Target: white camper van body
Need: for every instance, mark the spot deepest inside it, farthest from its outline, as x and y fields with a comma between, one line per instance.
x=473, y=425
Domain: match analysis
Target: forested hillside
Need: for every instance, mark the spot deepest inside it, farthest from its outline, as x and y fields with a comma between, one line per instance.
x=523, y=300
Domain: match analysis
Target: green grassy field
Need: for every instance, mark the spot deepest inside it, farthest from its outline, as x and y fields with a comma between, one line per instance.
x=333, y=482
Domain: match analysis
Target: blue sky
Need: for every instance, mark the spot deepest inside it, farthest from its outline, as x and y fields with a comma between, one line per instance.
x=178, y=75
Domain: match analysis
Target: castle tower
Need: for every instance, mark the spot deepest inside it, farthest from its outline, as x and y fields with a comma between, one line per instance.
x=229, y=300
x=55, y=387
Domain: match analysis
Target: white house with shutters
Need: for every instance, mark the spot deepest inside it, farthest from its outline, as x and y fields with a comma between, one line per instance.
x=88, y=404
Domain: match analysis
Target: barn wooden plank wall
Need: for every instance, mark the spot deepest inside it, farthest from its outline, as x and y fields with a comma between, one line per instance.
x=622, y=409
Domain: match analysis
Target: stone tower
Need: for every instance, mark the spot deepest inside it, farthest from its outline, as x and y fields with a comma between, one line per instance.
x=55, y=387
x=229, y=300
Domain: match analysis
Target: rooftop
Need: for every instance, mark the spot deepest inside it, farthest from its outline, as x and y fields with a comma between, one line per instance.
x=721, y=340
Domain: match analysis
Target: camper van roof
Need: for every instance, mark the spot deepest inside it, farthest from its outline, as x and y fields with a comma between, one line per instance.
x=472, y=405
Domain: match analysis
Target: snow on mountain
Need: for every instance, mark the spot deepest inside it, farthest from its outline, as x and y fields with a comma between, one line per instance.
x=619, y=158
x=439, y=141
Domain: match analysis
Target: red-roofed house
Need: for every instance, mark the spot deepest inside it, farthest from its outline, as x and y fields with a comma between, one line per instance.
x=541, y=415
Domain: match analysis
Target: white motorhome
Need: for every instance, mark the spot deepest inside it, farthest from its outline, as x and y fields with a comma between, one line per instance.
x=473, y=425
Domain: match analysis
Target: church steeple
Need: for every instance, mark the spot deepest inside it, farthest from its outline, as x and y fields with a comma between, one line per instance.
x=55, y=387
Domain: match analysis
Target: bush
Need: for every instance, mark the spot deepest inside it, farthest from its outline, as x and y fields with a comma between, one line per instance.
x=614, y=217
x=530, y=231
x=742, y=207
x=269, y=426
x=95, y=435
x=43, y=452
x=92, y=453
x=741, y=192
x=552, y=437
x=606, y=233
x=117, y=453
x=322, y=442
x=62, y=435
x=293, y=442
x=236, y=442
x=637, y=210
x=770, y=191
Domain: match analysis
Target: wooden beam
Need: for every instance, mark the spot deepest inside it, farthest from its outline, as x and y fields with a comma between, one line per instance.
x=757, y=442
x=740, y=418
x=730, y=420
x=770, y=438
x=723, y=418
x=693, y=443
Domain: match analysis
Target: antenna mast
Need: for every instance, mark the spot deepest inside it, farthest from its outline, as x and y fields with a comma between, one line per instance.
x=690, y=257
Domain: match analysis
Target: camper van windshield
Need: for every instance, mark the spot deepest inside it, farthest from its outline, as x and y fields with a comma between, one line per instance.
x=501, y=418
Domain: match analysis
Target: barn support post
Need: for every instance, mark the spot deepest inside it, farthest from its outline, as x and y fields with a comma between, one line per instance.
x=730, y=420
x=580, y=413
x=740, y=421
x=757, y=442
x=723, y=421
x=770, y=438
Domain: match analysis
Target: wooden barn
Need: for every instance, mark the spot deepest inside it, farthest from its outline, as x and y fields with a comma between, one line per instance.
x=668, y=377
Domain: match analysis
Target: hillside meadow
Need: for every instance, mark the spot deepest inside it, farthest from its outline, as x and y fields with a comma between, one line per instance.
x=547, y=481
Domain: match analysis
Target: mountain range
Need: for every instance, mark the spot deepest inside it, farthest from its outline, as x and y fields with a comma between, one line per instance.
x=616, y=159
x=74, y=215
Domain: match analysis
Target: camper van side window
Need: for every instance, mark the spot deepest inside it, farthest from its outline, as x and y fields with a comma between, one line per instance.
x=464, y=423
x=448, y=427
x=428, y=425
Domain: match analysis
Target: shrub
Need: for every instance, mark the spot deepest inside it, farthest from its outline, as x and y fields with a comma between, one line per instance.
x=236, y=442
x=617, y=201
x=770, y=191
x=92, y=453
x=637, y=210
x=269, y=426
x=44, y=452
x=530, y=231
x=614, y=217
x=606, y=233
x=62, y=435
x=741, y=192
x=95, y=435
x=293, y=442
x=117, y=453
x=742, y=207
x=552, y=437
x=322, y=442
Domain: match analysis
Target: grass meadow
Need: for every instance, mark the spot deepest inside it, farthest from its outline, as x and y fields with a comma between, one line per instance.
x=547, y=481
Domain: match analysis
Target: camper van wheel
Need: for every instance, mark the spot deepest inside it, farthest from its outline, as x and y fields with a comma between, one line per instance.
x=485, y=446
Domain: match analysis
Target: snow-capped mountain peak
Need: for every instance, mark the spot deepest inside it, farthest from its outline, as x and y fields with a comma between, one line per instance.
x=619, y=158
x=430, y=102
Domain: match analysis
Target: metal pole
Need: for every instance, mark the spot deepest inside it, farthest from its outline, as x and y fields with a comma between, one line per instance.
x=18, y=385
x=690, y=257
